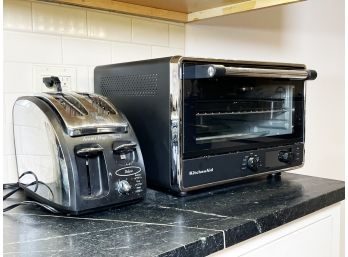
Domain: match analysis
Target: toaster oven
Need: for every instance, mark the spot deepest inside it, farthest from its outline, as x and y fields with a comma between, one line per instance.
x=206, y=122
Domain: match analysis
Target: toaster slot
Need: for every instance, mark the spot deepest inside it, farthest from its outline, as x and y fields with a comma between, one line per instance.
x=70, y=104
x=92, y=173
x=85, y=114
x=99, y=103
x=102, y=104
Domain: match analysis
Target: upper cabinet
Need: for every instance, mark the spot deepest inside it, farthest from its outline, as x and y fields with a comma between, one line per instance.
x=176, y=10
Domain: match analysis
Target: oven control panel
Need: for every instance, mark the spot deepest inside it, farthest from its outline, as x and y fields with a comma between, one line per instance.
x=233, y=166
x=268, y=159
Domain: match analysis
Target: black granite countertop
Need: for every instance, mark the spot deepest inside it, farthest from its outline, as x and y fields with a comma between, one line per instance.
x=165, y=225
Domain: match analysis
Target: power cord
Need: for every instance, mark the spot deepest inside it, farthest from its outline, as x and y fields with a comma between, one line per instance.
x=18, y=186
x=45, y=206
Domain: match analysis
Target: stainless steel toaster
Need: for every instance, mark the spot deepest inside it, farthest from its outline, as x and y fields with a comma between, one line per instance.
x=82, y=150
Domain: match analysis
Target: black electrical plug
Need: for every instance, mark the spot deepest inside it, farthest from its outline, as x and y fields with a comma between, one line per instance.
x=52, y=82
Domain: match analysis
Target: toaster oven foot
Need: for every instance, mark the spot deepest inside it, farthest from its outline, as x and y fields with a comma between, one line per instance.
x=274, y=176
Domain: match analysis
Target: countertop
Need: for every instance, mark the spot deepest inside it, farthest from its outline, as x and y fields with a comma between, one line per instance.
x=165, y=225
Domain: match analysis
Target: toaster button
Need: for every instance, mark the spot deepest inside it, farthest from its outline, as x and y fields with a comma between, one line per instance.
x=123, y=186
x=123, y=146
x=124, y=152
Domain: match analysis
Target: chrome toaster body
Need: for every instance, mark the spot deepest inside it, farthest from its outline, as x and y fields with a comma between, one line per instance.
x=81, y=148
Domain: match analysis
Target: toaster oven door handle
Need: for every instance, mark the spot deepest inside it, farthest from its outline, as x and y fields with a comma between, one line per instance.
x=215, y=70
x=89, y=151
x=124, y=147
x=270, y=73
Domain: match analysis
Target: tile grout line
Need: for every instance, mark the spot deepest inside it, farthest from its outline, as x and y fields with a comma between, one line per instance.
x=61, y=50
x=104, y=40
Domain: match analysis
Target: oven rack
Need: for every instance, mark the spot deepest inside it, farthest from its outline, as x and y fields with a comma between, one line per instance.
x=233, y=136
x=203, y=114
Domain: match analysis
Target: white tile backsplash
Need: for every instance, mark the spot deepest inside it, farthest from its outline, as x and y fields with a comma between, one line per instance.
x=109, y=26
x=17, y=15
x=51, y=35
x=9, y=99
x=10, y=169
x=176, y=36
x=82, y=79
x=150, y=32
x=59, y=20
x=159, y=51
x=85, y=51
x=8, y=147
x=126, y=52
x=17, y=77
x=32, y=48
x=91, y=79
x=31, y=163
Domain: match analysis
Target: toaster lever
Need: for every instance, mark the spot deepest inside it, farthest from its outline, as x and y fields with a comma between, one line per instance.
x=52, y=82
x=124, y=146
x=89, y=151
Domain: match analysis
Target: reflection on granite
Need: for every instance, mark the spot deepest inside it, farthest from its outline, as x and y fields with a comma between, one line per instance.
x=165, y=225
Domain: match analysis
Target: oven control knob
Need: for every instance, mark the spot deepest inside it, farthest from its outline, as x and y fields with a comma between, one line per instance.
x=253, y=163
x=285, y=156
x=123, y=186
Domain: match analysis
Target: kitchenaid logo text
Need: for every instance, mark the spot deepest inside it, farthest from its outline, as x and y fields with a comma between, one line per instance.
x=197, y=172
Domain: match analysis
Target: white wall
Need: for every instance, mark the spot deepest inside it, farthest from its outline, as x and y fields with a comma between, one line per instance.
x=52, y=35
x=310, y=32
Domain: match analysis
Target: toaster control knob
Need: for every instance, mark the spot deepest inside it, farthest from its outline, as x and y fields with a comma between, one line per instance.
x=253, y=163
x=285, y=156
x=123, y=186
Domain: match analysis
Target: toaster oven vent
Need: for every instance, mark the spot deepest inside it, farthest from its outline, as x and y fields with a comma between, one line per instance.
x=130, y=85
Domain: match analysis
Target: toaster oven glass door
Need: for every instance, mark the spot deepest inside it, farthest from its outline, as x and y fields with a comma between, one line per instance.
x=228, y=114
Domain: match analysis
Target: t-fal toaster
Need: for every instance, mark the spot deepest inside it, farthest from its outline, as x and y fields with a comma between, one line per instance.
x=206, y=122
x=82, y=150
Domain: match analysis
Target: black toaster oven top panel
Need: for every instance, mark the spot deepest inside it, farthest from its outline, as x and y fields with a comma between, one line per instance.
x=227, y=114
